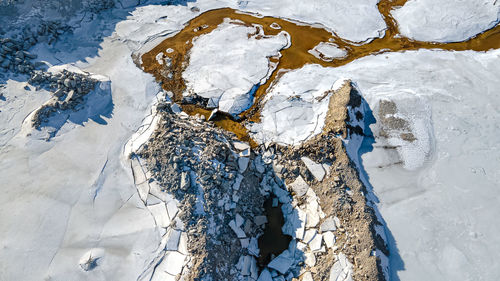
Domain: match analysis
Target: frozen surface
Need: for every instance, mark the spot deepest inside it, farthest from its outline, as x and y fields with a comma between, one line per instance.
x=440, y=213
x=69, y=208
x=215, y=64
x=295, y=107
x=446, y=20
x=356, y=20
x=327, y=51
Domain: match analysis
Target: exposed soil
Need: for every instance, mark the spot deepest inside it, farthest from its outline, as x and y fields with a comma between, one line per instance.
x=341, y=192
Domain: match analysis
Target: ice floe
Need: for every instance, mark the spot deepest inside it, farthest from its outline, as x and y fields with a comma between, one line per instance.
x=295, y=107
x=228, y=77
x=327, y=51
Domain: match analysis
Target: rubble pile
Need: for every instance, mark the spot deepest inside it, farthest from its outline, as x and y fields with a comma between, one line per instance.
x=219, y=185
x=68, y=90
x=14, y=55
x=216, y=182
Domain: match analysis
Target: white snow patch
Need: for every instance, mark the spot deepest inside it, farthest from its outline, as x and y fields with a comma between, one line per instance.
x=327, y=51
x=446, y=20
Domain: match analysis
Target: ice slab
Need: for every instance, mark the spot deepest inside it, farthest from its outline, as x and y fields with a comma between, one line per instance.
x=220, y=75
x=295, y=107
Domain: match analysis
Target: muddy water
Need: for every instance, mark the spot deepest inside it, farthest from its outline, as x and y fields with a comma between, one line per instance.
x=303, y=38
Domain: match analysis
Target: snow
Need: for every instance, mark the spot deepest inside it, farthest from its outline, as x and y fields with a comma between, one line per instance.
x=75, y=193
x=69, y=207
x=355, y=20
x=295, y=107
x=446, y=20
x=219, y=76
x=440, y=212
x=327, y=51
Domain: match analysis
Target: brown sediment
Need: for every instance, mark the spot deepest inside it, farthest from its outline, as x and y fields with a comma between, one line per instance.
x=303, y=38
x=341, y=192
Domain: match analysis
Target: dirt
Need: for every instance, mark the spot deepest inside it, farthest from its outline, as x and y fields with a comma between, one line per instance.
x=341, y=192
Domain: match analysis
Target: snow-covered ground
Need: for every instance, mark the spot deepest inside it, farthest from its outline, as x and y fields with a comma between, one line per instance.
x=446, y=20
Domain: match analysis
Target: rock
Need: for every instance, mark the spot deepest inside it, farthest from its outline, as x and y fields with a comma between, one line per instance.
x=328, y=225
x=282, y=263
x=299, y=186
x=315, y=169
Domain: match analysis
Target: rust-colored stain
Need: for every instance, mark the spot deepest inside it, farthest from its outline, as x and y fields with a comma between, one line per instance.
x=303, y=39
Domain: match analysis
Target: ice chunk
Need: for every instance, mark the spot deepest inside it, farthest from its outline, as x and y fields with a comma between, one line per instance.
x=219, y=76
x=341, y=269
x=329, y=238
x=265, y=275
x=315, y=169
x=328, y=225
x=315, y=244
x=240, y=145
x=310, y=259
x=239, y=232
x=282, y=262
x=446, y=20
x=299, y=186
x=172, y=263
x=159, y=212
x=327, y=51
x=243, y=163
